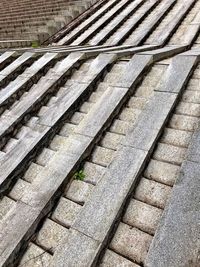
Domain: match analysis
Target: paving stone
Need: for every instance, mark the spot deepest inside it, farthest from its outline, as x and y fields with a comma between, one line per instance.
x=93, y=172
x=129, y=114
x=79, y=191
x=6, y=204
x=75, y=249
x=152, y=193
x=186, y=123
x=190, y=109
x=32, y=172
x=102, y=156
x=35, y=257
x=66, y=212
x=111, y=140
x=111, y=259
x=138, y=241
x=162, y=172
x=18, y=189
x=50, y=235
x=169, y=153
x=176, y=137
x=142, y=216
x=120, y=127
x=176, y=242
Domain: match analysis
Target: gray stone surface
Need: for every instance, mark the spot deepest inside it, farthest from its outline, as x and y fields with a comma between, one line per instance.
x=50, y=235
x=165, y=52
x=131, y=242
x=144, y=31
x=107, y=31
x=110, y=193
x=142, y=216
x=177, y=74
x=178, y=15
x=75, y=250
x=193, y=153
x=152, y=193
x=19, y=219
x=133, y=70
x=169, y=153
x=35, y=257
x=176, y=242
x=162, y=172
x=102, y=111
x=111, y=259
x=66, y=212
x=145, y=133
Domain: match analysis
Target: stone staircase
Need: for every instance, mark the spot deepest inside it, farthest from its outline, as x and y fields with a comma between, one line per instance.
x=26, y=22
x=99, y=147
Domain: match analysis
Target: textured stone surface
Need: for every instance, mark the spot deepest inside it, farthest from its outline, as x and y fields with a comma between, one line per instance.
x=151, y=121
x=120, y=127
x=109, y=194
x=138, y=243
x=18, y=190
x=93, y=172
x=134, y=68
x=32, y=172
x=191, y=97
x=66, y=212
x=152, y=193
x=137, y=102
x=162, y=172
x=79, y=191
x=50, y=235
x=102, y=156
x=74, y=250
x=169, y=153
x=35, y=257
x=111, y=259
x=176, y=242
x=45, y=156
x=176, y=137
x=102, y=111
x=193, y=153
x=142, y=216
x=190, y=109
x=111, y=140
x=182, y=122
x=129, y=114
x=5, y=205
x=177, y=74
